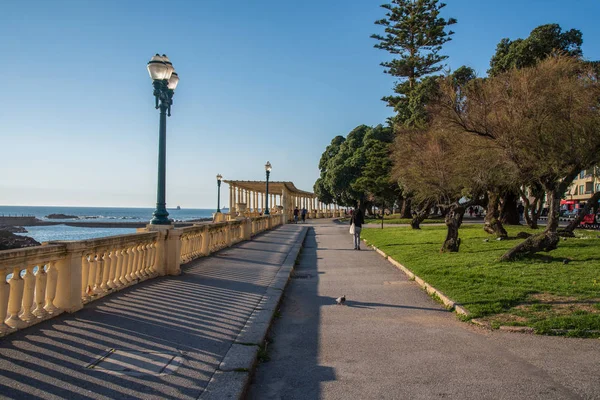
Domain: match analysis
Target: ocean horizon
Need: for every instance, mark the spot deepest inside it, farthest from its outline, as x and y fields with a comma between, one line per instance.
x=97, y=214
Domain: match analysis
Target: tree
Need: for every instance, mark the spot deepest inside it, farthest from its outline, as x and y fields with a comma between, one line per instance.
x=414, y=36
x=375, y=179
x=321, y=187
x=546, y=120
x=542, y=42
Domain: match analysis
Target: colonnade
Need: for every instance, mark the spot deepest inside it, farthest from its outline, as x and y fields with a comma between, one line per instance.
x=245, y=202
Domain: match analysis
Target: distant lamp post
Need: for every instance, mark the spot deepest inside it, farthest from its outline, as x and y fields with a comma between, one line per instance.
x=219, y=177
x=164, y=79
x=268, y=171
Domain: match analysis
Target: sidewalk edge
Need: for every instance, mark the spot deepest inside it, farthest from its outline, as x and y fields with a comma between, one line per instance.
x=232, y=378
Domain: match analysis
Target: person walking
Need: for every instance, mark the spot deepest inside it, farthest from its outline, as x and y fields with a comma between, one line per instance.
x=357, y=219
x=296, y=212
x=303, y=213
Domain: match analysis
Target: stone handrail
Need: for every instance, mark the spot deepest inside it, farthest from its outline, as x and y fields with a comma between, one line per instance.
x=37, y=283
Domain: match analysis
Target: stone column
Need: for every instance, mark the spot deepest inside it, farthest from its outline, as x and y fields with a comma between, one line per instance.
x=68, y=285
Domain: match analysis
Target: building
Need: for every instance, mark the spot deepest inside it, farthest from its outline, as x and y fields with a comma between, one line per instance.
x=582, y=188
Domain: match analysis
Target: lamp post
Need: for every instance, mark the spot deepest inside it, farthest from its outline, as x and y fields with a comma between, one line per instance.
x=164, y=79
x=219, y=177
x=268, y=171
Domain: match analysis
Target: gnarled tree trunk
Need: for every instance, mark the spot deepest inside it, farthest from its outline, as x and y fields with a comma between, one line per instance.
x=454, y=218
x=533, y=210
x=492, y=223
x=420, y=215
x=509, y=213
x=405, y=211
x=548, y=240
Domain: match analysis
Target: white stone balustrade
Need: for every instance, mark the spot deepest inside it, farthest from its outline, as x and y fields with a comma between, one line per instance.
x=37, y=283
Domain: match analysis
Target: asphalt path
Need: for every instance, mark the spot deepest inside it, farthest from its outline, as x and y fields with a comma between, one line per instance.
x=392, y=341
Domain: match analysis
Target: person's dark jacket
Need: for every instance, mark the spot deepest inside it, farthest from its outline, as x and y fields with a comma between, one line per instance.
x=357, y=218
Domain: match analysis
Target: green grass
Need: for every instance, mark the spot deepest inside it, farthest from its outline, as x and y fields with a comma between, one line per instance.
x=538, y=291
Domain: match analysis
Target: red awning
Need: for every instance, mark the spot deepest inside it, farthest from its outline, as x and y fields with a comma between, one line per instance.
x=568, y=202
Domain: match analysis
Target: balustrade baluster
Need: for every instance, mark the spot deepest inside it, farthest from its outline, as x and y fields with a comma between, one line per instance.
x=51, y=288
x=85, y=276
x=145, y=258
x=89, y=291
x=126, y=266
x=113, y=269
x=106, y=271
x=153, y=257
x=28, y=294
x=15, y=299
x=99, y=271
x=41, y=280
x=140, y=259
x=119, y=268
x=4, y=295
x=130, y=263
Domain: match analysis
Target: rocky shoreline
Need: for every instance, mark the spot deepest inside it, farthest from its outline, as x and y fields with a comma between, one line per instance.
x=9, y=241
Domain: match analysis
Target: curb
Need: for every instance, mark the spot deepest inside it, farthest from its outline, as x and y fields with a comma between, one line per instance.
x=448, y=302
x=232, y=377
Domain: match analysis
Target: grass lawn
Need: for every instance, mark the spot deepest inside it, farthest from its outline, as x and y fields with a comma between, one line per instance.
x=539, y=291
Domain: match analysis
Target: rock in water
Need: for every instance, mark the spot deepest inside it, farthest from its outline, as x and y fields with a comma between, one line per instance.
x=10, y=241
x=13, y=229
x=61, y=216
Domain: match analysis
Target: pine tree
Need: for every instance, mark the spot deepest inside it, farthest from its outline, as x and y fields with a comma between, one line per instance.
x=414, y=36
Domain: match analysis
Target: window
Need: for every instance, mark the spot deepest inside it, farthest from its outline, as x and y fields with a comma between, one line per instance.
x=589, y=186
x=581, y=174
x=581, y=189
x=597, y=187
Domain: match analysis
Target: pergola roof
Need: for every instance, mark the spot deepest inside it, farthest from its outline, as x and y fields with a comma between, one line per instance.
x=275, y=187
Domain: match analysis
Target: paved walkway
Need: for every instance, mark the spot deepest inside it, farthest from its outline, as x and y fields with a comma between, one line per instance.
x=394, y=342
x=188, y=322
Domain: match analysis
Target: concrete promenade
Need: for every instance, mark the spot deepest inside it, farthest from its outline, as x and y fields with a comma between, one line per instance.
x=392, y=341
x=166, y=338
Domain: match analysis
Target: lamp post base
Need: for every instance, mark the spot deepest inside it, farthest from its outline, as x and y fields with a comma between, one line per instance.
x=160, y=217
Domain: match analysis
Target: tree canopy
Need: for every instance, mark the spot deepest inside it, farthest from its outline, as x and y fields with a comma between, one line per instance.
x=542, y=42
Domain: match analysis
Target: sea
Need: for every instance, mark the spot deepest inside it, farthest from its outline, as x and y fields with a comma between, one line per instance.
x=97, y=214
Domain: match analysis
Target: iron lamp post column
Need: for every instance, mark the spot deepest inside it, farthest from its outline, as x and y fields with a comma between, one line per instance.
x=268, y=171
x=164, y=80
x=219, y=177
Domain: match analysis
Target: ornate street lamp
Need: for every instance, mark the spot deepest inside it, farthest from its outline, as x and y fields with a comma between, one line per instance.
x=164, y=80
x=219, y=177
x=268, y=170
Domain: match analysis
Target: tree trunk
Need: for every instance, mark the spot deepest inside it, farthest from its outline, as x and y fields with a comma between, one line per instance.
x=406, y=211
x=509, y=214
x=548, y=240
x=419, y=216
x=491, y=223
x=533, y=210
x=586, y=210
x=541, y=242
x=453, y=221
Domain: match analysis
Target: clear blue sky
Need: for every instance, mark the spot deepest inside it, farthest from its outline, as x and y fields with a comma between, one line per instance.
x=260, y=80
